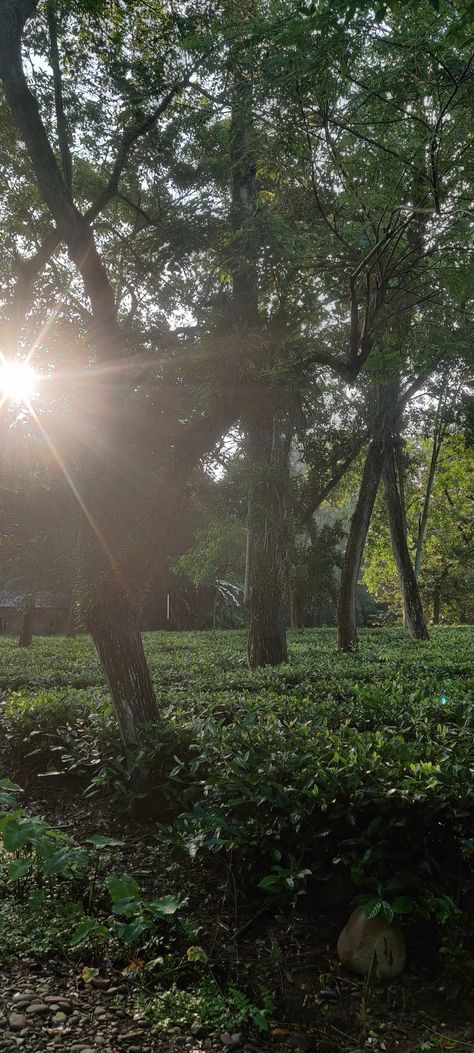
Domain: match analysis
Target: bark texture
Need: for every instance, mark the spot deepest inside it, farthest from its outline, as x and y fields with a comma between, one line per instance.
x=438, y=436
x=107, y=609
x=265, y=571
x=437, y=605
x=267, y=545
x=296, y=610
x=346, y=608
x=115, y=631
x=414, y=617
x=26, y=632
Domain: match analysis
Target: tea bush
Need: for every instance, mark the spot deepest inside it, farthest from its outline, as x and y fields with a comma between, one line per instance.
x=365, y=759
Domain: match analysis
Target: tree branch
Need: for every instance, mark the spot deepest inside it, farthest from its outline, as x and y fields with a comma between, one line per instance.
x=61, y=122
x=136, y=130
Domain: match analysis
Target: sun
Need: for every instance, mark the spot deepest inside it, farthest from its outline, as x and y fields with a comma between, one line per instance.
x=18, y=381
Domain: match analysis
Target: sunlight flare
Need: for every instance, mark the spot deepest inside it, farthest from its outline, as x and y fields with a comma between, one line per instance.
x=18, y=381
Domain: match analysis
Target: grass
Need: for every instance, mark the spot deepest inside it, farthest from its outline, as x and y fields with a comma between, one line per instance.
x=362, y=761
x=255, y=789
x=216, y=661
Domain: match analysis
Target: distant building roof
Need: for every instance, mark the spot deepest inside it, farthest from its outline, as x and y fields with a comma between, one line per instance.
x=44, y=600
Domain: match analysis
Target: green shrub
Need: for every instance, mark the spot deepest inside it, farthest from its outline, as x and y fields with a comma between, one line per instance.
x=365, y=758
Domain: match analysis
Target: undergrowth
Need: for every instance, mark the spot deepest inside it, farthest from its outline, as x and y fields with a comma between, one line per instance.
x=360, y=761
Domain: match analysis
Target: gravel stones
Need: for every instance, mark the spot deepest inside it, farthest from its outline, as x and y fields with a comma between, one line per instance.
x=59, y=1018
x=232, y=1041
x=17, y=1022
x=63, y=1014
x=198, y=1031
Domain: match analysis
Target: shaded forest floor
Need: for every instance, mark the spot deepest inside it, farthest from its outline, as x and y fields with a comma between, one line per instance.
x=277, y=951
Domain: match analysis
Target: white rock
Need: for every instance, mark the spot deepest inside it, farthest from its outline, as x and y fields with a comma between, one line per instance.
x=372, y=945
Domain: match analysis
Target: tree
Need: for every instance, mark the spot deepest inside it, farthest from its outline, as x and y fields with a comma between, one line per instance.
x=106, y=595
x=446, y=575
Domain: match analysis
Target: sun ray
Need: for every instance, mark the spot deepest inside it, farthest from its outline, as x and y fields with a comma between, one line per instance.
x=18, y=380
x=80, y=500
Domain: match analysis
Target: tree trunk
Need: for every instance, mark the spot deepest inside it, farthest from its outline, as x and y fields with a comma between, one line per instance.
x=346, y=608
x=436, y=605
x=266, y=524
x=414, y=617
x=71, y=627
x=115, y=631
x=265, y=563
x=438, y=436
x=247, y=590
x=296, y=610
x=105, y=519
x=26, y=631
x=114, y=626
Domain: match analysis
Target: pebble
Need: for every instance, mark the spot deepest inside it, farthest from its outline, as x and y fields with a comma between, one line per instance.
x=59, y=1018
x=17, y=1021
x=198, y=1031
x=67, y=1016
x=330, y=996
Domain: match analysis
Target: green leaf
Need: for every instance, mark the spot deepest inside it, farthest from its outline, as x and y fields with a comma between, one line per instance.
x=87, y=927
x=372, y=908
x=196, y=954
x=403, y=905
x=36, y=898
x=127, y=906
x=122, y=888
x=129, y=932
x=163, y=907
x=18, y=868
x=258, y=1018
x=19, y=832
x=66, y=860
x=386, y=910
x=271, y=883
x=102, y=841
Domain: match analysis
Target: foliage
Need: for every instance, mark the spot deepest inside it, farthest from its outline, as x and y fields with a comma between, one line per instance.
x=366, y=758
x=40, y=863
x=31, y=931
x=206, y=1004
x=447, y=569
x=219, y=552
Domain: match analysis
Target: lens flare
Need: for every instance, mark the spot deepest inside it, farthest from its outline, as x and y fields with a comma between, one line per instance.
x=18, y=381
